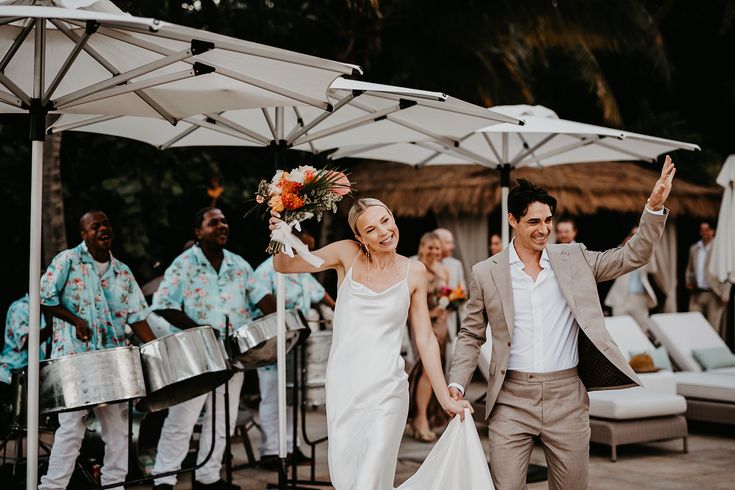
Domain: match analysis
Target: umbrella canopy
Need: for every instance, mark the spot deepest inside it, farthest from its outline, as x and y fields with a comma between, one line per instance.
x=67, y=60
x=368, y=113
x=542, y=140
x=722, y=264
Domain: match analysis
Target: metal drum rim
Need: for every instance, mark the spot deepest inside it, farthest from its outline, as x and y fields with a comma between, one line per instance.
x=180, y=332
x=77, y=355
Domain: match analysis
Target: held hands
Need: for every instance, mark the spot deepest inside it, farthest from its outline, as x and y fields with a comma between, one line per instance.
x=274, y=221
x=455, y=406
x=662, y=188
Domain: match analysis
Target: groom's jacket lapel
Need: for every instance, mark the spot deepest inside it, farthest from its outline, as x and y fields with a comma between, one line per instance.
x=560, y=264
x=500, y=272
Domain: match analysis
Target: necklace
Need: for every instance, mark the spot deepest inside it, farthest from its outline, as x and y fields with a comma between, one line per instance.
x=368, y=260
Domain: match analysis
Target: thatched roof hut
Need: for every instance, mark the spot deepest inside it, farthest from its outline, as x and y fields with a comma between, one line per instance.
x=580, y=189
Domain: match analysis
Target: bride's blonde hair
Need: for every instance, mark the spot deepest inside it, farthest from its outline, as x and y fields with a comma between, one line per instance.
x=360, y=207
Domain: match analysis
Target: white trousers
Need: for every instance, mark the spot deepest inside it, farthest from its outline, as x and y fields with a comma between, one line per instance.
x=179, y=425
x=268, y=411
x=68, y=440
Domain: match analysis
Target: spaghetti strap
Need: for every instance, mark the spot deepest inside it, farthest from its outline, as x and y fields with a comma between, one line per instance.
x=353, y=262
x=408, y=269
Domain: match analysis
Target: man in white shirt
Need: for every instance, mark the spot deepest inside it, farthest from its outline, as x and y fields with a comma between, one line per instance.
x=566, y=231
x=549, y=341
x=632, y=293
x=706, y=293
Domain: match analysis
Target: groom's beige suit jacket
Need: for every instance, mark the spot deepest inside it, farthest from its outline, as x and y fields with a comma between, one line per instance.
x=601, y=365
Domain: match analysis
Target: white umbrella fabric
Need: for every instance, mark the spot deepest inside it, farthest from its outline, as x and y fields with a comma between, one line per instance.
x=63, y=60
x=722, y=263
x=363, y=112
x=542, y=140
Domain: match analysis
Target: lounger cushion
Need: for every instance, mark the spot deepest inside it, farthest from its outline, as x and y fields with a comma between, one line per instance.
x=714, y=357
x=634, y=403
x=706, y=386
x=682, y=332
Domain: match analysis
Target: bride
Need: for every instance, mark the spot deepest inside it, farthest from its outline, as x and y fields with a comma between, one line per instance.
x=366, y=382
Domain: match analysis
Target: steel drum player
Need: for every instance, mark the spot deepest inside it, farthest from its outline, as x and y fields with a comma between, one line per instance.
x=205, y=285
x=92, y=296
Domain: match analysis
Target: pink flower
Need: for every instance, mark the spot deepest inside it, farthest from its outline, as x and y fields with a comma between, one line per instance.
x=341, y=184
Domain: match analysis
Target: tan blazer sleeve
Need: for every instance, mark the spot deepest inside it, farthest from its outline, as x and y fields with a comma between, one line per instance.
x=636, y=253
x=472, y=335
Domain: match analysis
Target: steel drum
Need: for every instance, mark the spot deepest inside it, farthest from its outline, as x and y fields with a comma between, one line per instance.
x=182, y=366
x=90, y=379
x=254, y=344
x=317, y=348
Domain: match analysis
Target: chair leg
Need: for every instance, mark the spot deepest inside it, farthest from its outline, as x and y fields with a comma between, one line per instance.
x=248, y=445
x=614, y=453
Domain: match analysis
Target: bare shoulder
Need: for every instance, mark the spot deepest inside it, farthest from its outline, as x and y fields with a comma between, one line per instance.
x=417, y=275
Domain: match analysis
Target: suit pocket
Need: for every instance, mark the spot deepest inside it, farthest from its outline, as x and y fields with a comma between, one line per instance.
x=492, y=368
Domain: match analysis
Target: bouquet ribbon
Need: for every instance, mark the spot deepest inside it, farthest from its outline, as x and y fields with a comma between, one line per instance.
x=282, y=234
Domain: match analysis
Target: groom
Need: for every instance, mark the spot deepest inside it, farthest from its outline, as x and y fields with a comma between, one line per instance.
x=549, y=342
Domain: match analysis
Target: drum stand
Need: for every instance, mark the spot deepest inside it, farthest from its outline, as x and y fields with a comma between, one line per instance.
x=299, y=409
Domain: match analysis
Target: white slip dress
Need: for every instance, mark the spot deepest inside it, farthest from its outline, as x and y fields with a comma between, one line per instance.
x=367, y=400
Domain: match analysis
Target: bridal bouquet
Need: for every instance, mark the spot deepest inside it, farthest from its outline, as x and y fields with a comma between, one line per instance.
x=301, y=194
x=451, y=299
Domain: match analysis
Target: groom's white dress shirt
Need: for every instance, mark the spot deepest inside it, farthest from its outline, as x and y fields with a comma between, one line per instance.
x=545, y=331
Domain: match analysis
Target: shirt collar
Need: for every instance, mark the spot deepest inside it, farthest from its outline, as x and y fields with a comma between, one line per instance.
x=87, y=256
x=513, y=255
x=203, y=260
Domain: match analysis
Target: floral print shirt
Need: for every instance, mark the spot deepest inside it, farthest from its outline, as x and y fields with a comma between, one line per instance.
x=208, y=297
x=107, y=303
x=302, y=290
x=15, y=353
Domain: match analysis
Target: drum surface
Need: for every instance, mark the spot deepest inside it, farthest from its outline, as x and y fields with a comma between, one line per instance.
x=254, y=344
x=182, y=366
x=90, y=379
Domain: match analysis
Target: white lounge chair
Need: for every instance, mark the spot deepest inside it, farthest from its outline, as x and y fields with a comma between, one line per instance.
x=649, y=413
x=710, y=394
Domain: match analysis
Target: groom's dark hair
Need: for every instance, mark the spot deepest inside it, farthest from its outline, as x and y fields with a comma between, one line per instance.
x=525, y=193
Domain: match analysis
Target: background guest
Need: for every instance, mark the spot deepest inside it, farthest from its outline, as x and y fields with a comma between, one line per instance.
x=496, y=244
x=424, y=410
x=707, y=294
x=566, y=230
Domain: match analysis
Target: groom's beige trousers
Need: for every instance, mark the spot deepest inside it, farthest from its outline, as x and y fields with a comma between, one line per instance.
x=553, y=407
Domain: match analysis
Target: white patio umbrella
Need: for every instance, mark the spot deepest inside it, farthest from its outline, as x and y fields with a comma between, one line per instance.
x=542, y=141
x=722, y=263
x=91, y=61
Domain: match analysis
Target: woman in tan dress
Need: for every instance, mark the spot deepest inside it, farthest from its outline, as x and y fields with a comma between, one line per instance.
x=425, y=412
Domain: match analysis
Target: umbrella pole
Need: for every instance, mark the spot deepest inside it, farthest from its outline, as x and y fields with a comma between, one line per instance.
x=37, y=136
x=281, y=352
x=504, y=189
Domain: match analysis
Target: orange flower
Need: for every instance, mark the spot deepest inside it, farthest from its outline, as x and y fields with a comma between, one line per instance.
x=309, y=176
x=290, y=187
x=276, y=203
x=292, y=201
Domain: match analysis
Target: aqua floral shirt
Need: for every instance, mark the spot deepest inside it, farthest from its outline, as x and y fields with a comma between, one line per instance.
x=106, y=303
x=191, y=285
x=302, y=290
x=15, y=352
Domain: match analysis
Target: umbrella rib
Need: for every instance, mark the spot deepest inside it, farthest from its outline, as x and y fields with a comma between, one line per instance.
x=178, y=137
x=255, y=137
x=269, y=122
x=457, y=152
x=492, y=147
x=300, y=120
x=131, y=87
x=297, y=133
x=436, y=137
x=114, y=71
x=343, y=153
x=625, y=152
x=203, y=123
x=444, y=105
x=10, y=99
x=14, y=89
x=13, y=49
x=80, y=124
x=530, y=151
x=347, y=125
x=10, y=20
x=572, y=146
x=124, y=77
x=81, y=42
x=241, y=77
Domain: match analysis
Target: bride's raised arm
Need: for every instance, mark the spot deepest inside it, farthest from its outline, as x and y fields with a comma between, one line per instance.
x=335, y=255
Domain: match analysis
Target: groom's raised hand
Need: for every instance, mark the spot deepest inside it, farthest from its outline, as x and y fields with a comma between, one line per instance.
x=662, y=188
